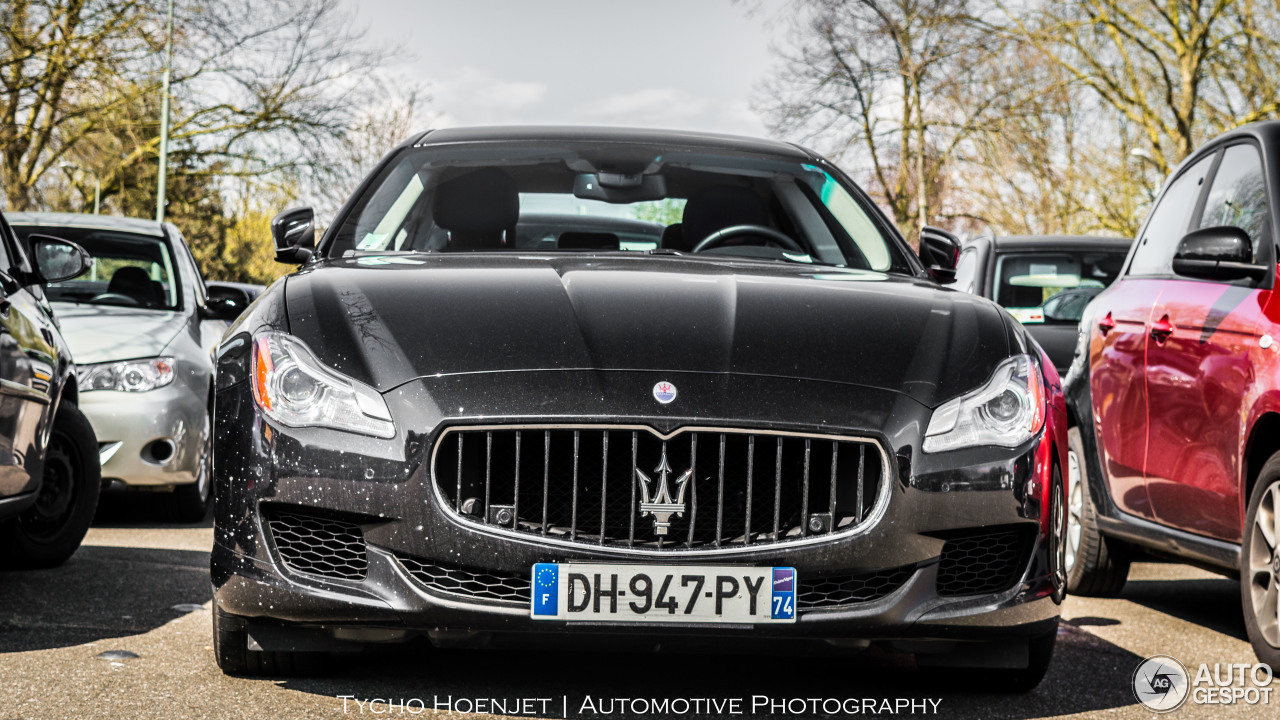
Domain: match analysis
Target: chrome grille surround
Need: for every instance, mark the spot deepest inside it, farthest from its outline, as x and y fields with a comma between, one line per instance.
x=498, y=502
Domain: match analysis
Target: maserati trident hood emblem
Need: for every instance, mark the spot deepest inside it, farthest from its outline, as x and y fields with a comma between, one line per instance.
x=664, y=392
x=660, y=505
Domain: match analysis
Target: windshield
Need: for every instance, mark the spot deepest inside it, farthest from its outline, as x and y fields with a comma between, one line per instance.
x=1050, y=287
x=613, y=197
x=128, y=270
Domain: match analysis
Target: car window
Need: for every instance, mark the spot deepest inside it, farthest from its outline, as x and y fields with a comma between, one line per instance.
x=128, y=269
x=966, y=269
x=6, y=237
x=1238, y=196
x=611, y=197
x=1169, y=221
x=1037, y=287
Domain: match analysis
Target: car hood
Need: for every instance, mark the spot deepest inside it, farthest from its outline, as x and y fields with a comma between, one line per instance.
x=389, y=319
x=100, y=333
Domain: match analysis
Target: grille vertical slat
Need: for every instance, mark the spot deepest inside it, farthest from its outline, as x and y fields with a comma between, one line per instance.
x=546, y=476
x=582, y=500
x=835, y=458
x=693, y=481
x=720, y=497
x=631, y=537
x=573, y=523
x=488, y=471
x=804, y=492
x=457, y=498
x=862, y=466
x=777, y=492
x=751, y=467
x=604, y=485
x=515, y=503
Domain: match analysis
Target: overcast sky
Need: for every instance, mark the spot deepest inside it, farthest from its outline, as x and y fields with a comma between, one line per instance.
x=691, y=64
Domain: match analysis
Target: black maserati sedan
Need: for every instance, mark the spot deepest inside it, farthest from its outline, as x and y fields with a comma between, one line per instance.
x=772, y=429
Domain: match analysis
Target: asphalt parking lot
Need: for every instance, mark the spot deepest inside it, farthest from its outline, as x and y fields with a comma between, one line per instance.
x=141, y=586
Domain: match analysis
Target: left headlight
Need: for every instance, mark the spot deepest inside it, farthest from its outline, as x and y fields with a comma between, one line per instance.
x=292, y=387
x=127, y=376
x=1006, y=412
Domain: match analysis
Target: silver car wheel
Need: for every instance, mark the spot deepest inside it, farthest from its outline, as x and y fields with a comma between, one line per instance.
x=1075, y=509
x=1264, y=566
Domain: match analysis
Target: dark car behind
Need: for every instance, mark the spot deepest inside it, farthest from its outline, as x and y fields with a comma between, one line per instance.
x=1044, y=281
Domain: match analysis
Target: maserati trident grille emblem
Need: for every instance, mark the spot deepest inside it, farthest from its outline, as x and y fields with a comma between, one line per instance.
x=660, y=505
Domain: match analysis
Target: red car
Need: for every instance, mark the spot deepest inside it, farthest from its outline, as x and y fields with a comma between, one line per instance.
x=1176, y=387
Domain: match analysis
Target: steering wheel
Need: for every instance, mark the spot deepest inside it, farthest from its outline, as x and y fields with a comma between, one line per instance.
x=116, y=298
x=720, y=237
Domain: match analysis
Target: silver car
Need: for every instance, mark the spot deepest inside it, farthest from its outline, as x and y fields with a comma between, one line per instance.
x=141, y=328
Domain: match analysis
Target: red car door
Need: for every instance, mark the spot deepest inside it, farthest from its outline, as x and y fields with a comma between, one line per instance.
x=1199, y=370
x=1118, y=350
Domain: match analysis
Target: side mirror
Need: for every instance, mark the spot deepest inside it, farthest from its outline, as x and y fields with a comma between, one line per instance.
x=58, y=260
x=940, y=251
x=294, y=233
x=1217, y=253
x=224, y=303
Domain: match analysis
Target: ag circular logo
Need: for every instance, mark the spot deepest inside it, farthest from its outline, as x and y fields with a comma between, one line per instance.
x=664, y=392
x=1161, y=683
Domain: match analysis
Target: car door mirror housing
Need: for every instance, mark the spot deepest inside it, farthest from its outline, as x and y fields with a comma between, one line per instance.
x=294, y=233
x=1217, y=253
x=224, y=303
x=940, y=252
x=58, y=260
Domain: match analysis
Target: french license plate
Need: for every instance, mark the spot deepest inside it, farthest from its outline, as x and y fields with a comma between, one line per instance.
x=663, y=593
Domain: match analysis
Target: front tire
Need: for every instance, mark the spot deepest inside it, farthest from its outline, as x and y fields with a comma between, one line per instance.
x=1094, y=567
x=231, y=652
x=1260, y=565
x=50, y=531
x=191, y=502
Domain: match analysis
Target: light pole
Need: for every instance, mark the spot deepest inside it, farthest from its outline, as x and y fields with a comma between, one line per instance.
x=164, y=118
x=97, y=184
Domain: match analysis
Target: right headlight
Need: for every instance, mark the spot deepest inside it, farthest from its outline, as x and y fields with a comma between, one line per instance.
x=1006, y=411
x=292, y=387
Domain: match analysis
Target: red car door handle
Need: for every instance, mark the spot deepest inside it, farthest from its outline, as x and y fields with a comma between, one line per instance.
x=1106, y=324
x=1161, y=329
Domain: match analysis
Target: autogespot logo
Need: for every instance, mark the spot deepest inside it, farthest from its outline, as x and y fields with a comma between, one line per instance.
x=1161, y=683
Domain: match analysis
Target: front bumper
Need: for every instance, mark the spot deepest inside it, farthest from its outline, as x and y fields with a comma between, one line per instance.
x=385, y=488
x=135, y=430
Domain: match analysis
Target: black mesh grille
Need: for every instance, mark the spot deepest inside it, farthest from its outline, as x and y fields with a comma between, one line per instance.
x=851, y=589
x=484, y=584
x=983, y=562
x=319, y=546
x=727, y=489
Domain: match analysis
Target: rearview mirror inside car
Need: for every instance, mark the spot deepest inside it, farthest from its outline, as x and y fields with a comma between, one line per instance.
x=58, y=260
x=940, y=251
x=1217, y=253
x=619, y=187
x=294, y=233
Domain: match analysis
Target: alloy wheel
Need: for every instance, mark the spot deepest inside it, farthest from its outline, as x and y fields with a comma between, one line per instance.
x=1264, y=566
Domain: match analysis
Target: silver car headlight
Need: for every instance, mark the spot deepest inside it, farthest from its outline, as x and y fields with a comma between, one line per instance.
x=292, y=387
x=127, y=375
x=1006, y=411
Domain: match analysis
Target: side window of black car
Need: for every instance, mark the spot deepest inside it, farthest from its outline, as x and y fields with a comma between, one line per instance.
x=1238, y=196
x=1169, y=221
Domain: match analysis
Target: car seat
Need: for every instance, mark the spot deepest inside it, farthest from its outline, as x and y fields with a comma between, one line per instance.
x=479, y=208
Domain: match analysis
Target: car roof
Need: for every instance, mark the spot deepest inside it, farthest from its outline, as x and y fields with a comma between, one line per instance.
x=1049, y=243
x=588, y=134
x=91, y=222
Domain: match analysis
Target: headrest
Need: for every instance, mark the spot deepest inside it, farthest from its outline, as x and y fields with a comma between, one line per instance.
x=588, y=241
x=720, y=206
x=129, y=278
x=484, y=200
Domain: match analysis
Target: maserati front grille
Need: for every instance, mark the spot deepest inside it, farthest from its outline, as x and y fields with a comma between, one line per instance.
x=701, y=489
